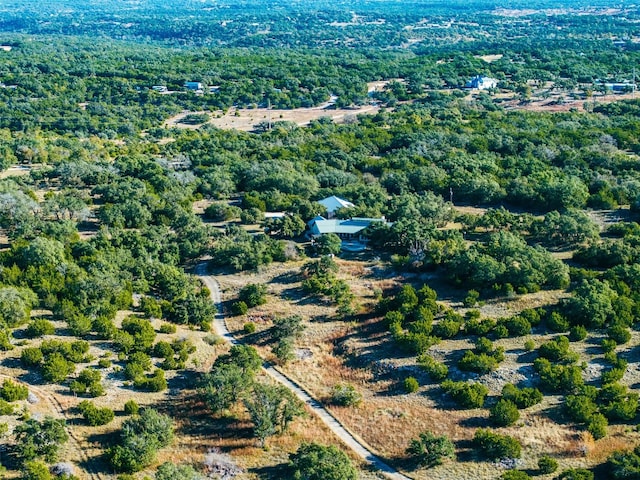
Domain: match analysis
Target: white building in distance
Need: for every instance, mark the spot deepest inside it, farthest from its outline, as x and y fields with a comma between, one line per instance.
x=482, y=83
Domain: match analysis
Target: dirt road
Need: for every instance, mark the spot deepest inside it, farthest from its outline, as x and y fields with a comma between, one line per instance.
x=357, y=445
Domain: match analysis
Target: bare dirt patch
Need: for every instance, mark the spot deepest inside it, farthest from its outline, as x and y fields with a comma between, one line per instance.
x=16, y=171
x=490, y=58
x=249, y=119
x=564, y=102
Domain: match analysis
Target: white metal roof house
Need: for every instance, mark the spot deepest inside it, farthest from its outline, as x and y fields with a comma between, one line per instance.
x=333, y=203
x=482, y=83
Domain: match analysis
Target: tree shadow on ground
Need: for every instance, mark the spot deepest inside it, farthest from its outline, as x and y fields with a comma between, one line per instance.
x=286, y=278
x=466, y=451
x=526, y=357
x=476, y=422
x=11, y=362
x=261, y=338
x=298, y=296
x=195, y=419
x=32, y=378
x=275, y=472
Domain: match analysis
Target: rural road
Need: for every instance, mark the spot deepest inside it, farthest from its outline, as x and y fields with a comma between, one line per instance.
x=329, y=420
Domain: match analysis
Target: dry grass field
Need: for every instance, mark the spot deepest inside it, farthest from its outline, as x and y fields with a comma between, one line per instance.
x=198, y=433
x=361, y=352
x=247, y=119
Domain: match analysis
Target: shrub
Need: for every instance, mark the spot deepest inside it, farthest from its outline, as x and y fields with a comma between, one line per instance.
x=88, y=381
x=522, y=397
x=429, y=450
x=284, y=350
x=547, y=464
x=479, y=327
x=608, y=345
x=500, y=331
x=558, y=378
x=131, y=407
x=437, y=371
x=577, y=333
x=12, y=392
x=253, y=294
x=79, y=325
x=446, y=328
x=575, y=474
x=167, y=328
x=411, y=385
x=137, y=335
x=137, y=363
x=612, y=375
x=40, y=439
x=328, y=244
x=467, y=395
x=96, y=390
x=5, y=407
x=529, y=345
x=494, y=446
x=249, y=328
x=155, y=382
x=95, y=416
x=211, y=339
x=598, y=426
x=623, y=465
x=104, y=327
x=580, y=408
x=504, y=413
x=533, y=315
x=345, y=395
x=517, y=326
x=617, y=403
x=318, y=462
x=479, y=363
x=557, y=322
x=38, y=328
x=140, y=438
x=151, y=307
x=56, y=368
x=36, y=471
x=558, y=351
x=416, y=343
x=471, y=299
x=619, y=334
x=163, y=349
x=239, y=308
x=251, y=215
x=219, y=212
x=171, y=471
x=31, y=357
x=104, y=363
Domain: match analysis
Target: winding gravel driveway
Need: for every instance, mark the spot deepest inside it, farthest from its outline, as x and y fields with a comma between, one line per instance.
x=358, y=446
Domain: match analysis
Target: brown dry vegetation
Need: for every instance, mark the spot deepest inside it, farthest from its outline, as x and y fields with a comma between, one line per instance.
x=360, y=352
x=247, y=119
x=197, y=430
